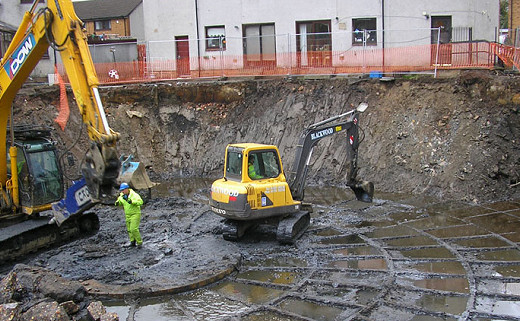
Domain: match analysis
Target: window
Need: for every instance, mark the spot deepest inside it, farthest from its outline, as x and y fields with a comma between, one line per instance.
x=259, y=44
x=215, y=38
x=234, y=163
x=265, y=164
x=102, y=25
x=364, y=32
x=314, y=43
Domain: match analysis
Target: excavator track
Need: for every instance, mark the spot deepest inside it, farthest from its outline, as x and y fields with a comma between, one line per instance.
x=33, y=235
x=234, y=230
x=292, y=227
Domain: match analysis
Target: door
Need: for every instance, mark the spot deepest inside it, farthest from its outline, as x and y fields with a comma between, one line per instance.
x=182, y=48
x=314, y=43
x=259, y=45
x=441, y=55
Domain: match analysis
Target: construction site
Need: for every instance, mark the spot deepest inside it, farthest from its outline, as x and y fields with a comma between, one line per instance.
x=248, y=204
x=438, y=241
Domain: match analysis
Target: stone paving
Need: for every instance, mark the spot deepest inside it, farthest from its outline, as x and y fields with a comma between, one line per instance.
x=399, y=258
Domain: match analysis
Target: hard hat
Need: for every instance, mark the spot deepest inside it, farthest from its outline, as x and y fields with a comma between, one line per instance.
x=123, y=186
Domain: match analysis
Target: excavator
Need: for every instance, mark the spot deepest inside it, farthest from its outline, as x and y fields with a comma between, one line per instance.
x=31, y=177
x=254, y=189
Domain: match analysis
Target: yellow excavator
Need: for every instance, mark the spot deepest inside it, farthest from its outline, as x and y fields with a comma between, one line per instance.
x=254, y=189
x=31, y=177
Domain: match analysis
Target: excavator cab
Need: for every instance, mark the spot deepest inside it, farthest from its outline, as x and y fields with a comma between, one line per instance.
x=44, y=176
x=40, y=179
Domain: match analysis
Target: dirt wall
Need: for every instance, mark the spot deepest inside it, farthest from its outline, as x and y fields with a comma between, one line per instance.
x=452, y=137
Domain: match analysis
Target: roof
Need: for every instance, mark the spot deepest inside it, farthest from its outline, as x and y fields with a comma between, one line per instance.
x=105, y=9
x=7, y=27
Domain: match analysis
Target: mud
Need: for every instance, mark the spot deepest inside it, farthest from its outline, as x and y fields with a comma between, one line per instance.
x=400, y=257
x=453, y=137
x=451, y=142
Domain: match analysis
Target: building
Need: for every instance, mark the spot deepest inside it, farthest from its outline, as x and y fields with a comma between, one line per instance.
x=11, y=14
x=307, y=33
x=114, y=27
x=111, y=19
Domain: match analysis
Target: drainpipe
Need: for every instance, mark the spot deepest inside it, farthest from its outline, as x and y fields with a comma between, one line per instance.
x=198, y=36
x=383, y=24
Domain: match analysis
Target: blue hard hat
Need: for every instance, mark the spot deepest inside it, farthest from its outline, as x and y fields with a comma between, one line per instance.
x=123, y=186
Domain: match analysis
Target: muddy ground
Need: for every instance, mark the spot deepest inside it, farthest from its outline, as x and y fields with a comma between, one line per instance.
x=452, y=138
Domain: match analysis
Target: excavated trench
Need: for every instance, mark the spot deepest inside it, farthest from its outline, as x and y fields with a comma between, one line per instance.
x=439, y=242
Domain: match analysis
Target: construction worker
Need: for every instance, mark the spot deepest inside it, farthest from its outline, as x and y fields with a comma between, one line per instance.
x=131, y=202
x=251, y=169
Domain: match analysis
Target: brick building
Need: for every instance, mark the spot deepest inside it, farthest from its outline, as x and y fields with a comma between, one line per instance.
x=514, y=14
x=111, y=19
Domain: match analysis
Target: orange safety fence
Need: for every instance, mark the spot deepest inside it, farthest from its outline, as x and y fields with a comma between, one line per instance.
x=364, y=60
x=509, y=55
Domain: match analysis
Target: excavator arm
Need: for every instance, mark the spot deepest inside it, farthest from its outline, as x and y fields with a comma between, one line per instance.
x=58, y=26
x=364, y=191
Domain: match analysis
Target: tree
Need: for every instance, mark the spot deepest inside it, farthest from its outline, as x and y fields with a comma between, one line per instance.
x=504, y=14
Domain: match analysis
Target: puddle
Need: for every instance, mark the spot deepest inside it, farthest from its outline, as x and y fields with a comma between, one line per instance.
x=510, y=308
x=348, y=239
x=411, y=241
x=277, y=262
x=361, y=250
x=270, y=277
x=327, y=232
x=253, y=294
x=265, y=316
x=440, y=267
x=165, y=311
x=459, y=285
x=314, y=310
x=446, y=304
x=500, y=255
x=351, y=295
x=497, y=222
x=503, y=206
x=448, y=206
x=458, y=231
x=328, y=195
x=402, y=217
x=509, y=270
x=469, y=211
x=120, y=308
x=366, y=264
x=428, y=253
x=353, y=278
x=392, y=231
x=482, y=242
x=435, y=221
x=206, y=305
x=513, y=237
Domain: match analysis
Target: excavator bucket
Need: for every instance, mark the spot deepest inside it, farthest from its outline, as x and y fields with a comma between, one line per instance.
x=134, y=173
x=364, y=191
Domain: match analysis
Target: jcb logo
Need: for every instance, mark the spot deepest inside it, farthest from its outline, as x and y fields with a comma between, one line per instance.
x=19, y=56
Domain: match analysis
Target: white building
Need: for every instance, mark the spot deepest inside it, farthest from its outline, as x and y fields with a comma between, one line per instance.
x=12, y=12
x=312, y=32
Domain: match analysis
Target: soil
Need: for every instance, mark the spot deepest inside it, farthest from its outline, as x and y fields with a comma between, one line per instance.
x=452, y=138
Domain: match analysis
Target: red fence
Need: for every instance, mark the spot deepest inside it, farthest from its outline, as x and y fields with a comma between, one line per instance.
x=426, y=58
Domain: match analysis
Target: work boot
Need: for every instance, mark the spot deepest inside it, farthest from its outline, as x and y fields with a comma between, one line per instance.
x=130, y=244
x=140, y=245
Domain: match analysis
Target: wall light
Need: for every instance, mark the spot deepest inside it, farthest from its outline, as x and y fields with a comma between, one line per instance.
x=426, y=15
